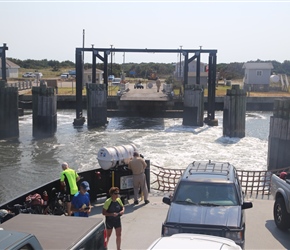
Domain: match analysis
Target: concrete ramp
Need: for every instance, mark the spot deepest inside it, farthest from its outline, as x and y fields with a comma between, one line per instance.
x=145, y=94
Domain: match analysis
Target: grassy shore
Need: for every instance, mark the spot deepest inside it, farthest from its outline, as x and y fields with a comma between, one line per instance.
x=221, y=90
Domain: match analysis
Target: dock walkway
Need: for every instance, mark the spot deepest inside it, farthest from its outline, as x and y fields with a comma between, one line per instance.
x=141, y=225
x=145, y=94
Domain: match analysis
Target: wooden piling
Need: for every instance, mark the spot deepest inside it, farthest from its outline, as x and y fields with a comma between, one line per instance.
x=279, y=135
x=44, y=106
x=9, y=123
x=193, y=106
x=96, y=104
x=234, y=115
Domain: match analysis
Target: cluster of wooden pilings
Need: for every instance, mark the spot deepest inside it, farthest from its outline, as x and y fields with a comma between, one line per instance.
x=234, y=115
x=22, y=85
x=193, y=105
x=44, y=108
x=96, y=104
x=9, y=123
x=279, y=135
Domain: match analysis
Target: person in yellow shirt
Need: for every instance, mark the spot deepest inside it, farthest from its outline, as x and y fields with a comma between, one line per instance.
x=69, y=179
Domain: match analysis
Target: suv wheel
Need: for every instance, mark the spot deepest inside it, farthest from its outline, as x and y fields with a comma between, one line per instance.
x=281, y=216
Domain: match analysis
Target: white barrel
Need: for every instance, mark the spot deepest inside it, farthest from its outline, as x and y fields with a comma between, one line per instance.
x=274, y=78
x=112, y=156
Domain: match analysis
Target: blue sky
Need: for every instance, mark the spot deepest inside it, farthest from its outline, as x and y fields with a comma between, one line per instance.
x=240, y=31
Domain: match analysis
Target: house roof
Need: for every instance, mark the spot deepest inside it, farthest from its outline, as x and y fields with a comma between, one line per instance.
x=89, y=71
x=258, y=66
x=9, y=64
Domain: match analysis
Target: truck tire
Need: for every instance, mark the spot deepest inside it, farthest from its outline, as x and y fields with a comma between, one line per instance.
x=281, y=216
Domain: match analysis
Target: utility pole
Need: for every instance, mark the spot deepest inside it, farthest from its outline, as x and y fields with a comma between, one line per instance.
x=180, y=61
x=83, y=58
x=111, y=60
x=83, y=44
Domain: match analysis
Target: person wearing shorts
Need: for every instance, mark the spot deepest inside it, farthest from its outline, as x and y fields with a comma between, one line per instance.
x=69, y=179
x=113, y=209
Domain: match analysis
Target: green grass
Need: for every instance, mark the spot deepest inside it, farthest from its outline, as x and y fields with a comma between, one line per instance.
x=47, y=72
x=112, y=91
x=220, y=90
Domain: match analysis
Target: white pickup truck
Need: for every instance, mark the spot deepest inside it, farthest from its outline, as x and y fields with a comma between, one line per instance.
x=280, y=189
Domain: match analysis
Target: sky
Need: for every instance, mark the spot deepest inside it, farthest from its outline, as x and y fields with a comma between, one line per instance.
x=239, y=30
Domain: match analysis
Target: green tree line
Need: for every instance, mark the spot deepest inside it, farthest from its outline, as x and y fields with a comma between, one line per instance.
x=42, y=64
x=229, y=71
x=141, y=70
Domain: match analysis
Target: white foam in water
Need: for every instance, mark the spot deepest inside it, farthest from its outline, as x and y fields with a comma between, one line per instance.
x=165, y=142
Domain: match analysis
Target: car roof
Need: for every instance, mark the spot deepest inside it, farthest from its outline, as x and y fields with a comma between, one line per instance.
x=208, y=171
x=8, y=238
x=193, y=241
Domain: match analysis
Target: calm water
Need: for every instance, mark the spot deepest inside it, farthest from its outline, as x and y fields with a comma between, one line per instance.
x=27, y=163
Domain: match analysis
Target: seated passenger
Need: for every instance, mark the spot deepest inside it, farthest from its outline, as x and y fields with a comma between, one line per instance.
x=283, y=175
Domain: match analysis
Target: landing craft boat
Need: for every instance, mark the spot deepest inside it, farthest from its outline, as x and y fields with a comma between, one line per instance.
x=113, y=171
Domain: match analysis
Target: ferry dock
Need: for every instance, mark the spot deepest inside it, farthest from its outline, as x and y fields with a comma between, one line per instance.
x=141, y=224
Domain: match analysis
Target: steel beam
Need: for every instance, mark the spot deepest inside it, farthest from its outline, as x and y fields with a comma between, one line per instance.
x=185, y=71
x=192, y=58
x=106, y=53
x=3, y=61
x=206, y=51
x=211, y=86
x=96, y=53
x=214, y=60
x=79, y=83
x=94, y=67
x=198, y=69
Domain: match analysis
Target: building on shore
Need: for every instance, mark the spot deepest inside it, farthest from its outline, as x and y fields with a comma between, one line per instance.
x=12, y=69
x=179, y=72
x=257, y=76
x=88, y=76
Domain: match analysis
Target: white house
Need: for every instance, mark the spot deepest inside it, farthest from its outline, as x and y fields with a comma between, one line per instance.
x=257, y=75
x=88, y=76
x=11, y=69
x=179, y=71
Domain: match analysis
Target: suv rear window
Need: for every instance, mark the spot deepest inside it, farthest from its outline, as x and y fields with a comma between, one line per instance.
x=205, y=193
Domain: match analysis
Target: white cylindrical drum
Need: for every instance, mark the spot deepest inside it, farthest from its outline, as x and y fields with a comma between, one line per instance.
x=274, y=78
x=112, y=156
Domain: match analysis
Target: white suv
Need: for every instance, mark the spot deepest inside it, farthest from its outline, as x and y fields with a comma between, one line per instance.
x=194, y=241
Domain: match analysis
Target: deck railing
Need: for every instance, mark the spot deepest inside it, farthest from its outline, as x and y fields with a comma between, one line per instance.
x=22, y=85
x=252, y=182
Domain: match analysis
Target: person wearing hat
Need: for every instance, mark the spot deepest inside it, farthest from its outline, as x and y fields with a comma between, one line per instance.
x=81, y=205
x=138, y=165
x=283, y=175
